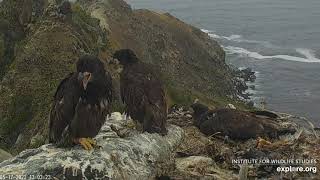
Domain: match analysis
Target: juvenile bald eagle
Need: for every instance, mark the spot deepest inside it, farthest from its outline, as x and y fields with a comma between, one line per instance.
x=235, y=124
x=81, y=102
x=142, y=92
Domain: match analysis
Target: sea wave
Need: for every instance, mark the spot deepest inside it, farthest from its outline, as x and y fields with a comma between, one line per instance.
x=205, y=31
x=236, y=38
x=309, y=55
x=233, y=37
x=211, y=34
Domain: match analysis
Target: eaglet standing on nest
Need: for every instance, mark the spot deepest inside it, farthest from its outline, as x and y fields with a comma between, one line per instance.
x=81, y=103
x=142, y=92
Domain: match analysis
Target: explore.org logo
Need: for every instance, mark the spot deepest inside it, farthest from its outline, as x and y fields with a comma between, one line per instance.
x=284, y=165
x=287, y=169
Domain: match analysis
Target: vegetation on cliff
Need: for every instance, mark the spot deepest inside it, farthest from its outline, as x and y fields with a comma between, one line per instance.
x=46, y=54
x=49, y=42
x=39, y=45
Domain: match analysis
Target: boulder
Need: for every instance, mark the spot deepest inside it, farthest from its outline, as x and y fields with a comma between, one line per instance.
x=138, y=156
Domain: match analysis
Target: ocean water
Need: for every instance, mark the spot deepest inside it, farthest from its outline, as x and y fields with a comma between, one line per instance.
x=280, y=39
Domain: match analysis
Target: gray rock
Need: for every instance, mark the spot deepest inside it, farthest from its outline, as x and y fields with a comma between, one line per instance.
x=231, y=106
x=184, y=164
x=200, y=167
x=140, y=156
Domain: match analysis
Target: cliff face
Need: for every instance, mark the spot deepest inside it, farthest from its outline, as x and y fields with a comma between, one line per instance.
x=51, y=45
x=47, y=42
x=192, y=63
x=39, y=44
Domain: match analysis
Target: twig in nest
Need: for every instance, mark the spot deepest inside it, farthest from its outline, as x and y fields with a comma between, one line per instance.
x=211, y=136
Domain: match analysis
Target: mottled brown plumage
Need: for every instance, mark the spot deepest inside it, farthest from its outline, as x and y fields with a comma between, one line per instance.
x=81, y=102
x=235, y=124
x=142, y=92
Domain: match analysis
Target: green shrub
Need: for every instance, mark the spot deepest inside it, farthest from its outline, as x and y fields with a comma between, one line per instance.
x=20, y=112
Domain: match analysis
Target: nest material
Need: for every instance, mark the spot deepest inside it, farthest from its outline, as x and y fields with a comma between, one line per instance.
x=304, y=144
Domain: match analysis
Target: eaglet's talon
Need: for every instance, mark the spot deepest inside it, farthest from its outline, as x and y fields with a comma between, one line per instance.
x=130, y=124
x=262, y=143
x=92, y=141
x=87, y=143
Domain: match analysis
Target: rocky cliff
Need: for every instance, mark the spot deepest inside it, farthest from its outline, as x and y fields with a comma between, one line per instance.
x=189, y=59
x=41, y=40
x=185, y=153
x=46, y=50
x=136, y=156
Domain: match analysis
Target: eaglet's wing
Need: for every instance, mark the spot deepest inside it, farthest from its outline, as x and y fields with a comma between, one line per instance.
x=108, y=92
x=63, y=108
x=154, y=91
x=132, y=92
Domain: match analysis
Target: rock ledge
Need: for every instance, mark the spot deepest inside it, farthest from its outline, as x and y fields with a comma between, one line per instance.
x=138, y=156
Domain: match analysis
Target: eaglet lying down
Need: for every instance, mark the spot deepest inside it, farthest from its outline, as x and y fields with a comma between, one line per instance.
x=236, y=124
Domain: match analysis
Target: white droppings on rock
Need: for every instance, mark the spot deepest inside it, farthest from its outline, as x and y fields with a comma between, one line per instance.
x=84, y=167
x=138, y=156
x=231, y=106
x=116, y=116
